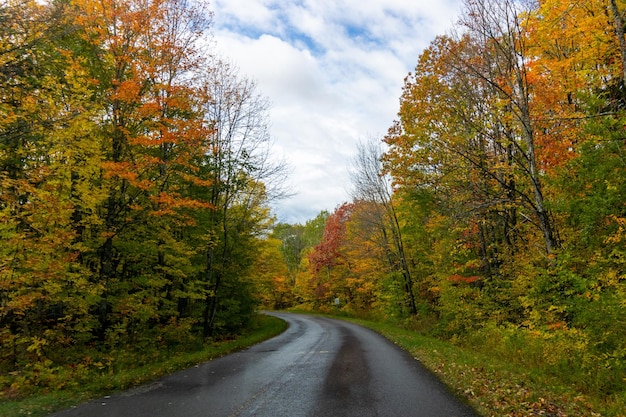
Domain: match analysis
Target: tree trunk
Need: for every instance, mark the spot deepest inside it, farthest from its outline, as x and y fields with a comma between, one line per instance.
x=619, y=32
x=543, y=218
x=106, y=270
x=210, y=301
x=406, y=272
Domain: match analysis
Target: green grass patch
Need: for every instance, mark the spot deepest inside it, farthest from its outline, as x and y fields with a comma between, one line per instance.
x=97, y=381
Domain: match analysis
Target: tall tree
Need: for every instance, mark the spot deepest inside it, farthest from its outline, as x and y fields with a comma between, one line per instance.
x=373, y=186
x=47, y=168
x=238, y=165
x=500, y=29
x=144, y=57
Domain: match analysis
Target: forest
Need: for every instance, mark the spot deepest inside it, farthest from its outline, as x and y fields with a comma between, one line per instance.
x=493, y=212
x=137, y=178
x=135, y=182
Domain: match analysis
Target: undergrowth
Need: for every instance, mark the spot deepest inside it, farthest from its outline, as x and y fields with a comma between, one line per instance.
x=43, y=388
x=501, y=377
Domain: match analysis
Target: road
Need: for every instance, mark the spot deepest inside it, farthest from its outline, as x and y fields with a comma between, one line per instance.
x=318, y=367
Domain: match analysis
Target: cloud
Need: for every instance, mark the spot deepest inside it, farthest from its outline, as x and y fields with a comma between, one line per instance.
x=333, y=71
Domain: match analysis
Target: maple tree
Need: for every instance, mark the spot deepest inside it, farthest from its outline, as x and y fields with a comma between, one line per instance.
x=328, y=256
x=144, y=56
x=343, y=267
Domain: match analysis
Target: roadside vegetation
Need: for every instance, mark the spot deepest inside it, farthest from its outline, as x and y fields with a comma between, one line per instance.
x=495, y=378
x=100, y=374
x=505, y=377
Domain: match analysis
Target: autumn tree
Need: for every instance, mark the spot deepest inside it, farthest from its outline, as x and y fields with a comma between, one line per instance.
x=467, y=134
x=587, y=64
x=48, y=167
x=127, y=156
x=272, y=275
x=451, y=149
x=504, y=159
x=375, y=283
x=328, y=262
x=373, y=187
x=143, y=56
x=501, y=30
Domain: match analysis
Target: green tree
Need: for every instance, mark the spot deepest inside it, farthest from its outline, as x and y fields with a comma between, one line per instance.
x=238, y=165
x=292, y=248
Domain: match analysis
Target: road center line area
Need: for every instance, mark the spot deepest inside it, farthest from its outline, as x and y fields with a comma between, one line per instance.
x=318, y=367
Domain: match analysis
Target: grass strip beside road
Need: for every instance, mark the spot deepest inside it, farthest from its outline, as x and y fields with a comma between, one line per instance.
x=493, y=386
x=44, y=403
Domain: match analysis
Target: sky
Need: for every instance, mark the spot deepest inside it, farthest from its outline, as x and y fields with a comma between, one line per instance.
x=333, y=71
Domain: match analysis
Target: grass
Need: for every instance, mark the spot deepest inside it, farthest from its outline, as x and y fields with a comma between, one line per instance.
x=104, y=383
x=494, y=385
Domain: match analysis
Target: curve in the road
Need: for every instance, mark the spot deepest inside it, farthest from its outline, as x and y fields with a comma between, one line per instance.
x=318, y=367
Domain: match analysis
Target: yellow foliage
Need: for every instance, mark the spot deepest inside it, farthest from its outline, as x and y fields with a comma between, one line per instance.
x=619, y=235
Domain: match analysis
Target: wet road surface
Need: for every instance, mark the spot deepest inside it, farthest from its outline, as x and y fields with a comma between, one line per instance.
x=318, y=367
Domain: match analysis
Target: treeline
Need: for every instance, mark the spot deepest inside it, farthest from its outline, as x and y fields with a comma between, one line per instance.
x=134, y=182
x=493, y=213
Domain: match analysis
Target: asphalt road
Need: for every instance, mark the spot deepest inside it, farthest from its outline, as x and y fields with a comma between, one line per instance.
x=319, y=367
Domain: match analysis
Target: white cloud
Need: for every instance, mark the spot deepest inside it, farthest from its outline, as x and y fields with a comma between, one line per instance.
x=333, y=71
